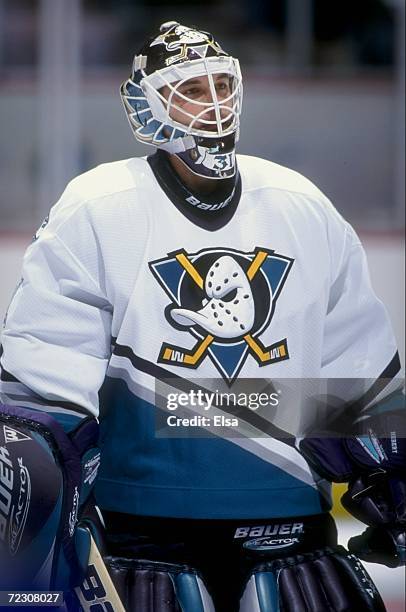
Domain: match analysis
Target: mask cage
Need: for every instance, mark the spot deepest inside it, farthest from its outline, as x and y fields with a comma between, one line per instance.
x=149, y=111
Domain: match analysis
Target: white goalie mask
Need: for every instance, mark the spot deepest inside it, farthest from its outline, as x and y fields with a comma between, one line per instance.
x=201, y=130
x=229, y=309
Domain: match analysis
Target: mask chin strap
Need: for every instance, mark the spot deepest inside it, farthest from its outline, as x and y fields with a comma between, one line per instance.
x=208, y=160
x=209, y=164
x=179, y=145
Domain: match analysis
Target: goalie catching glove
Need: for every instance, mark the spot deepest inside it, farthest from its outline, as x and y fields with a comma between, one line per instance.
x=373, y=463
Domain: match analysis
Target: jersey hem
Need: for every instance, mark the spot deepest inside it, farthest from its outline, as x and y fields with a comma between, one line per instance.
x=208, y=503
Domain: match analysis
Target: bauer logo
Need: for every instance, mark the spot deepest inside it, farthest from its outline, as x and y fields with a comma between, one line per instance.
x=90, y=469
x=269, y=531
x=73, y=514
x=6, y=490
x=12, y=435
x=15, y=496
x=19, y=511
x=225, y=299
x=263, y=544
x=92, y=592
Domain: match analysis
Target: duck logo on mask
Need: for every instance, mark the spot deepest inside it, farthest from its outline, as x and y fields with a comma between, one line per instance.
x=226, y=300
x=188, y=42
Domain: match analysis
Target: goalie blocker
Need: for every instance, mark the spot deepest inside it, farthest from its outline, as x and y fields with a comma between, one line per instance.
x=46, y=479
x=372, y=460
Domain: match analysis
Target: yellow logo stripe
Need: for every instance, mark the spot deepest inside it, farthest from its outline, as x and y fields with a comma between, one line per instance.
x=256, y=348
x=194, y=358
x=256, y=264
x=167, y=354
x=190, y=269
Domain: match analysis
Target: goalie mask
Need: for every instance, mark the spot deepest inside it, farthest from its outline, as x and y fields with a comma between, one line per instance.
x=184, y=96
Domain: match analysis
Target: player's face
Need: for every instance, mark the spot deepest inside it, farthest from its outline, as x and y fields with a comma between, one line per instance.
x=192, y=97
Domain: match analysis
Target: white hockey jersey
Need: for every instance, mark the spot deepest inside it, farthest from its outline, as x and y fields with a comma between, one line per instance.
x=121, y=289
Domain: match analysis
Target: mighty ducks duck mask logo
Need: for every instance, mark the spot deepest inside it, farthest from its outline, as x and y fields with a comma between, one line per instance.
x=189, y=43
x=226, y=299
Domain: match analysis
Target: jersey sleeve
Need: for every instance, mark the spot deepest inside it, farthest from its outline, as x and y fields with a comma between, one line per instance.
x=359, y=342
x=57, y=333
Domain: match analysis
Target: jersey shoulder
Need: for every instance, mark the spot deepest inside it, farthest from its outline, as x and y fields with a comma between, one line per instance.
x=109, y=179
x=258, y=173
x=96, y=189
x=305, y=199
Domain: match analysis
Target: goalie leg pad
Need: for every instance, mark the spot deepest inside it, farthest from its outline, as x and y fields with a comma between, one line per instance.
x=326, y=579
x=152, y=586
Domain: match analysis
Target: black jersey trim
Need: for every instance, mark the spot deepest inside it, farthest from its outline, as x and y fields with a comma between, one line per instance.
x=392, y=368
x=175, y=190
x=185, y=385
x=347, y=417
x=7, y=377
x=37, y=399
x=379, y=385
x=47, y=405
x=343, y=424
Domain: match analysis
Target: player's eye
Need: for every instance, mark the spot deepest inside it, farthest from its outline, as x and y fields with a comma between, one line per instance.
x=222, y=89
x=191, y=92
